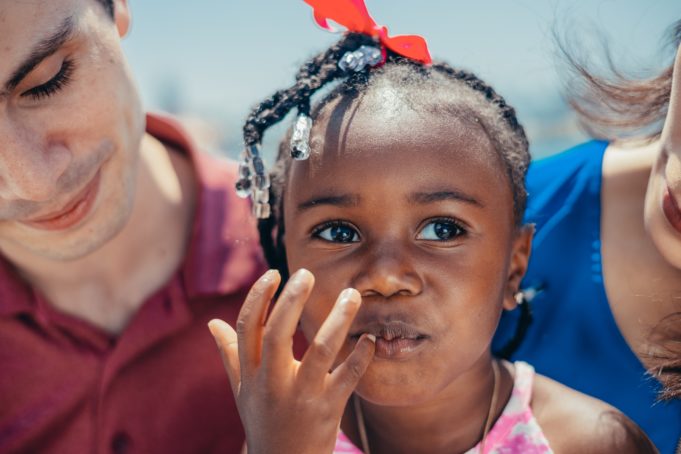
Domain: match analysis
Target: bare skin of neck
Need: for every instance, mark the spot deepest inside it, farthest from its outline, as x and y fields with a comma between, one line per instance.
x=642, y=287
x=453, y=423
x=108, y=286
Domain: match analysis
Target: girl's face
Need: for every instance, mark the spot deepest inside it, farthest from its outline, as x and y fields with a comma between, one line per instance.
x=663, y=197
x=416, y=214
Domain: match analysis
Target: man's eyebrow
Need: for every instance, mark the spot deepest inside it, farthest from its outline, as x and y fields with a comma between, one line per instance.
x=422, y=198
x=339, y=200
x=41, y=51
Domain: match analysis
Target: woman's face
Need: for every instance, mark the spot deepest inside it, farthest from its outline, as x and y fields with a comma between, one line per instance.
x=416, y=214
x=663, y=197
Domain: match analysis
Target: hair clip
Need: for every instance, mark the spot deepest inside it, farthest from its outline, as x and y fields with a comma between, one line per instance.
x=254, y=181
x=358, y=59
x=300, y=139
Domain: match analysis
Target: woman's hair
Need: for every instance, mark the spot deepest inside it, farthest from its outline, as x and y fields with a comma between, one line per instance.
x=436, y=89
x=665, y=361
x=616, y=106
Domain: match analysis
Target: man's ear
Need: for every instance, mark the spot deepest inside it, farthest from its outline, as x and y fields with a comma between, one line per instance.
x=122, y=17
x=520, y=258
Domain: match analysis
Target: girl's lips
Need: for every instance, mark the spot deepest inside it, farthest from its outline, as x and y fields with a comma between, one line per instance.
x=395, y=340
x=671, y=210
x=74, y=212
x=397, y=348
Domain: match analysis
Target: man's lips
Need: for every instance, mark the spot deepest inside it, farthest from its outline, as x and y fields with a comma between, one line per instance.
x=394, y=340
x=72, y=213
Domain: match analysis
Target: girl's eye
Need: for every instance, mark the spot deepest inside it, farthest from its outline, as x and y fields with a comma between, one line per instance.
x=53, y=85
x=441, y=230
x=337, y=232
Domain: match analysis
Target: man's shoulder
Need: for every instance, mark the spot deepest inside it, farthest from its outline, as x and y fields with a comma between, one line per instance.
x=575, y=422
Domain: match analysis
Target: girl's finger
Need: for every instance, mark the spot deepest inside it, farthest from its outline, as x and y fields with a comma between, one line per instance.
x=333, y=333
x=227, y=342
x=345, y=377
x=283, y=321
x=251, y=321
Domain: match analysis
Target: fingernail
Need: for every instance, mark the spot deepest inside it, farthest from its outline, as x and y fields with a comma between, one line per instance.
x=269, y=276
x=349, y=294
x=301, y=275
x=372, y=338
x=213, y=328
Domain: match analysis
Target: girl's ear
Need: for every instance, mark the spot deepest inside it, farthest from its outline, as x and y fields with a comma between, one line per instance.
x=520, y=257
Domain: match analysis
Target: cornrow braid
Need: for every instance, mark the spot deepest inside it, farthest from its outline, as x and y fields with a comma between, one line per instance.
x=517, y=165
x=498, y=118
x=312, y=76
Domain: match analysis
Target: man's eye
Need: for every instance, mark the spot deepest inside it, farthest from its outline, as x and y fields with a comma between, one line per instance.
x=337, y=233
x=59, y=81
x=441, y=230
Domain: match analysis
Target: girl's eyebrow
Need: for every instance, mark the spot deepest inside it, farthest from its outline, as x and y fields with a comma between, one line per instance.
x=422, y=198
x=339, y=200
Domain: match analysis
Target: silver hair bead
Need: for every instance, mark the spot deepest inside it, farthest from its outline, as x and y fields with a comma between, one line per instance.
x=254, y=181
x=253, y=151
x=261, y=210
x=261, y=196
x=359, y=59
x=243, y=188
x=244, y=170
x=258, y=165
x=300, y=139
x=262, y=182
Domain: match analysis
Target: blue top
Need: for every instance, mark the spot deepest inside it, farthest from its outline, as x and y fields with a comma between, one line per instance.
x=574, y=338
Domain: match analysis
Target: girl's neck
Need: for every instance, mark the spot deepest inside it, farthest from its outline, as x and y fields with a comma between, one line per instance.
x=451, y=421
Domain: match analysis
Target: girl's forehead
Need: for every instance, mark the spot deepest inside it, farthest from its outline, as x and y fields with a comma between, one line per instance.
x=361, y=135
x=368, y=156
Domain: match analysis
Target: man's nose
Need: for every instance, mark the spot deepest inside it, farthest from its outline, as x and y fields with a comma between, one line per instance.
x=388, y=270
x=30, y=163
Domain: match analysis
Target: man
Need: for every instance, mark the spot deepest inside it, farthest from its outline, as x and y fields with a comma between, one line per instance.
x=118, y=242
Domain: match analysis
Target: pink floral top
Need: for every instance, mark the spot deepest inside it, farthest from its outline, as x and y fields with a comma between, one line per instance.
x=516, y=430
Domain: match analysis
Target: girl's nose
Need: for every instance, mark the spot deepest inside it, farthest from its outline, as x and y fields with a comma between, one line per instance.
x=388, y=271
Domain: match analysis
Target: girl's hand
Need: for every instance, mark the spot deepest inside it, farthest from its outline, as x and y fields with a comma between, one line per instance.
x=290, y=406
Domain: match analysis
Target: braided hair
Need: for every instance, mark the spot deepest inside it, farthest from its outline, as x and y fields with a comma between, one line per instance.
x=434, y=83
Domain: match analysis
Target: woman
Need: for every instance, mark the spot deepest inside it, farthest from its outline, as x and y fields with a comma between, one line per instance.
x=606, y=260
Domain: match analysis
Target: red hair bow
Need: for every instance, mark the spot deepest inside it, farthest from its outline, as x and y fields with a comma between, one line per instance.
x=353, y=15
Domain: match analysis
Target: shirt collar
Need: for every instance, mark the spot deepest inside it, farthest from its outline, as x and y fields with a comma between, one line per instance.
x=224, y=253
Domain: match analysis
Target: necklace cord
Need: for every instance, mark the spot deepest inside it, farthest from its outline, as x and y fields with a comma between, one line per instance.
x=361, y=426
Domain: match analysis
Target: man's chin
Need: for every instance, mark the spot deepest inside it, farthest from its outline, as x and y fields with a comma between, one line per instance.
x=68, y=248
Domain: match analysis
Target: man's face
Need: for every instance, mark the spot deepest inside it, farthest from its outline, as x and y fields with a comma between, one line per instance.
x=70, y=128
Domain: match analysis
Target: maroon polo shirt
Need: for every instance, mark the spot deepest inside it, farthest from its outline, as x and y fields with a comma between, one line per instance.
x=159, y=387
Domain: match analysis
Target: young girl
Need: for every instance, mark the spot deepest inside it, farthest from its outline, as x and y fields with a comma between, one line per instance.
x=408, y=214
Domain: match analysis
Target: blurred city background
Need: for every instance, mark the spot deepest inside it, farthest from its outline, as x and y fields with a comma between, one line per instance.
x=210, y=61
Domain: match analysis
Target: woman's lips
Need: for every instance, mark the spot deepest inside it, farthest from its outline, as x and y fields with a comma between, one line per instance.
x=74, y=212
x=394, y=340
x=671, y=209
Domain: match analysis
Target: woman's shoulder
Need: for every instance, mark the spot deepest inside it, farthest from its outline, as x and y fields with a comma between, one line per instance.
x=575, y=422
x=578, y=160
x=564, y=185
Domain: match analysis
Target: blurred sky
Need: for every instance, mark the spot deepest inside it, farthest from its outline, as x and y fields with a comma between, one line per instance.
x=213, y=60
